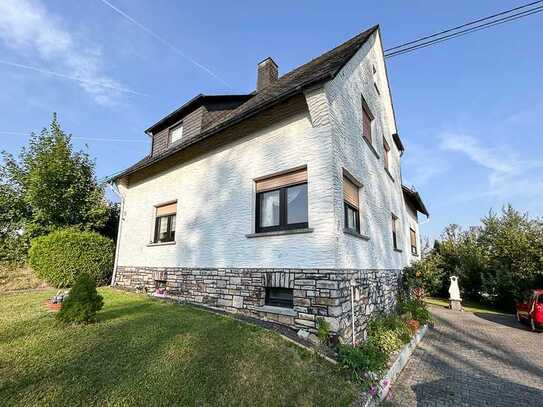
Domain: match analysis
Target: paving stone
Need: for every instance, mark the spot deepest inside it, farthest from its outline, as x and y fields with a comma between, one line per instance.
x=473, y=359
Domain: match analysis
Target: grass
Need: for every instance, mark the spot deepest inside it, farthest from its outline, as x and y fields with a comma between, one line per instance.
x=469, y=306
x=146, y=352
x=14, y=277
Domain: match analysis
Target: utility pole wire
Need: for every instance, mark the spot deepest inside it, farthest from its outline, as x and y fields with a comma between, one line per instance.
x=453, y=32
x=166, y=43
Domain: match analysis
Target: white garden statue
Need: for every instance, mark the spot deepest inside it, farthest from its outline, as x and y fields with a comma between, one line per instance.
x=455, y=302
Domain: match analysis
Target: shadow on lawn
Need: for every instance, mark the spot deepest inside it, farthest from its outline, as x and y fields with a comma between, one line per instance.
x=157, y=353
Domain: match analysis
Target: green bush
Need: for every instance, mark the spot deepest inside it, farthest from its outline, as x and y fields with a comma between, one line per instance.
x=390, y=333
x=323, y=331
x=61, y=256
x=417, y=308
x=82, y=303
x=366, y=362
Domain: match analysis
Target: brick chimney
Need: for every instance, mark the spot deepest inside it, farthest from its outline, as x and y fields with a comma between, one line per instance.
x=267, y=74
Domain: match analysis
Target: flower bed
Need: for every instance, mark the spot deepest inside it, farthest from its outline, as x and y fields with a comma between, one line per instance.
x=377, y=361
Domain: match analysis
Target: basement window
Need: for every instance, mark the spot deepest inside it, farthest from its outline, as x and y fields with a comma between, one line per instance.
x=279, y=297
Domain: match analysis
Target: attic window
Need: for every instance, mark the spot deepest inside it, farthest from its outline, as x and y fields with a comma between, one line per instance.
x=176, y=133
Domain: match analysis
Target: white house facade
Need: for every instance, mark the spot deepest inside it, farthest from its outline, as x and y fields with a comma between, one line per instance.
x=285, y=204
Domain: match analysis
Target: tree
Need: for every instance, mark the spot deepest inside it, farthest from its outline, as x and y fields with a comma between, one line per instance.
x=513, y=244
x=49, y=187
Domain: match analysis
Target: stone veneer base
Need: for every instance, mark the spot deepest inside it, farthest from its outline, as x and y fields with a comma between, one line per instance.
x=317, y=293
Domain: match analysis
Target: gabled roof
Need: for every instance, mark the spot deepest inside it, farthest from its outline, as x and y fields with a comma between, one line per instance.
x=414, y=199
x=324, y=67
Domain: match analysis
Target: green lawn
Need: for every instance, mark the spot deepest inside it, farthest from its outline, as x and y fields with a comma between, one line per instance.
x=146, y=352
x=469, y=306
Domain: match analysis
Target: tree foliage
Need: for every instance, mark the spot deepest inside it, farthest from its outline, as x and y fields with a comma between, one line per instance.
x=49, y=186
x=495, y=262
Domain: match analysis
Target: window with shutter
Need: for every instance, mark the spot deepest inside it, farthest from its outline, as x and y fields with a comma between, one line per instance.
x=165, y=217
x=367, y=119
x=281, y=202
x=351, y=205
x=413, y=238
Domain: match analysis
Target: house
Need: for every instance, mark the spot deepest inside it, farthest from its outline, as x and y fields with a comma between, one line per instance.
x=285, y=204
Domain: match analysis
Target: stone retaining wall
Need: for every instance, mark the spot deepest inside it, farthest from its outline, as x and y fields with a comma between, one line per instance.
x=322, y=293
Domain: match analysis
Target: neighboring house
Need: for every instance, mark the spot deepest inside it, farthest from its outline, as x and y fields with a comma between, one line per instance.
x=285, y=204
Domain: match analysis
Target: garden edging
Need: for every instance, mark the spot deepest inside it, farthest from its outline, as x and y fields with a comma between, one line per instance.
x=400, y=360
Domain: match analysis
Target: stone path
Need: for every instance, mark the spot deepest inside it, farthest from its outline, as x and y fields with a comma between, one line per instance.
x=473, y=360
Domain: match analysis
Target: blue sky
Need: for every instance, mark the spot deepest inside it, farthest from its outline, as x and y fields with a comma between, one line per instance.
x=468, y=110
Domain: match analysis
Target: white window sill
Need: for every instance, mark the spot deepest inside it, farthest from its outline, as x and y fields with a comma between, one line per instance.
x=270, y=309
x=280, y=233
x=160, y=244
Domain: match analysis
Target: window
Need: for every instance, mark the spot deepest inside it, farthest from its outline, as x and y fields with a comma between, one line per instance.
x=281, y=202
x=165, y=223
x=367, y=118
x=176, y=133
x=374, y=70
x=351, y=205
x=395, y=232
x=413, y=238
x=376, y=89
x=386, y=157
x=279, y=297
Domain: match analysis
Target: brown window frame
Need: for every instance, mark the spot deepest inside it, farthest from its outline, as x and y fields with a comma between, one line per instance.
x=351, y=203
x=413, y=240
x=367, y=122
x=291, y=178
x=171, y=218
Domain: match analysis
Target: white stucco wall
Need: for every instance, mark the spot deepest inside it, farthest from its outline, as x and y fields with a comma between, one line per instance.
x=215, y=210
x=380, y=196
x=216, y=196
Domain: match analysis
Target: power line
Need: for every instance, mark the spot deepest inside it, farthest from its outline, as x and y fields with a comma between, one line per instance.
x=165, y=42
x=458, y=32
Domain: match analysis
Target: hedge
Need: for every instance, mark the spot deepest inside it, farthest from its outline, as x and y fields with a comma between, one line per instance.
x=61, y=256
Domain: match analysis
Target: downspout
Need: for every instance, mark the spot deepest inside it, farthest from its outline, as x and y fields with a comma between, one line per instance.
x=352, y=312
x=117, y=247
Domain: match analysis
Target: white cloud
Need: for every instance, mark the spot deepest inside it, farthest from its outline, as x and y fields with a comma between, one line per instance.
x=509, y=173
x=26, y=26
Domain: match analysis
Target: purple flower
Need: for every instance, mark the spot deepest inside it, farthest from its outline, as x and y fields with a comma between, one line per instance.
x=373, y=391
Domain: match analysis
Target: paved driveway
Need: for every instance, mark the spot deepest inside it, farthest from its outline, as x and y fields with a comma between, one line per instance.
x=473, y=360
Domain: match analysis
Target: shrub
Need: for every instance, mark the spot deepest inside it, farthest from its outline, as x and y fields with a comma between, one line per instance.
x=62, y=255
x=366, y=362
x=323, y=331
x=389, y=333
x=417, y=308
x=82, y=303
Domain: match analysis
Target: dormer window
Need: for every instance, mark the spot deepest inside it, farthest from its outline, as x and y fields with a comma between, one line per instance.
x=176, y=133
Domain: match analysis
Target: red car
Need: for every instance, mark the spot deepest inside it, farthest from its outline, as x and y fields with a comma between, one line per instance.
x=530, y=309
